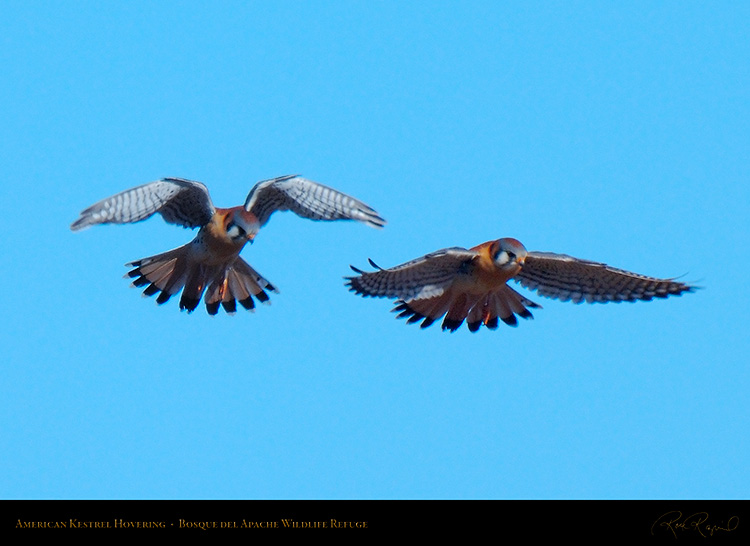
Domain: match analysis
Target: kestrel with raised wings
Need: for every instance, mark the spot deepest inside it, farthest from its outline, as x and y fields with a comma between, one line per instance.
x=210, y=263
x=472, y=285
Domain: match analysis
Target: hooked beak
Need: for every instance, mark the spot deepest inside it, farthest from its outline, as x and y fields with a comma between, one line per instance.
x=249, y=223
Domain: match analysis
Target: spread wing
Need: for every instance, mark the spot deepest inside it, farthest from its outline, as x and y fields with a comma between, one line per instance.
x=443, y=284
x=425, y=277
x=183, y=202
x=307, y=199
x=566, y=278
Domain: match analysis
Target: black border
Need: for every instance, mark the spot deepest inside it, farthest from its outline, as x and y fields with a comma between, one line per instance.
x=673, y=521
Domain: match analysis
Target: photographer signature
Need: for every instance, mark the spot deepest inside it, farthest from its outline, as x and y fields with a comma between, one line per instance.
x=696, y=522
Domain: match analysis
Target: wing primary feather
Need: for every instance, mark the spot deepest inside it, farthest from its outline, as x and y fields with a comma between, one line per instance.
x=179, y=201
x=307, y=199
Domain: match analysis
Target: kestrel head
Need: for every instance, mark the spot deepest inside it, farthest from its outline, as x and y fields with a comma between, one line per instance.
x=240, y=225
x=508, y=253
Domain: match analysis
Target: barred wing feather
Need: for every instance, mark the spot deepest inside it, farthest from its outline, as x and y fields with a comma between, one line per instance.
x=179, y=201
x=307, y=199
x=565, y=278
x=425, y=277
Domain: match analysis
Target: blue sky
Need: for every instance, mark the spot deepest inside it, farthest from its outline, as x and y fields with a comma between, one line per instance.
x=617, y=134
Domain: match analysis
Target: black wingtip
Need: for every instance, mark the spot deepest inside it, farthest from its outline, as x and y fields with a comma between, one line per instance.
x=141, y=281
x=687, y=289
x=405, y=313
x=400, y=306
x=229, y=306
x=188, y=304
x=510, y=321
x=411, y=316
x=526, y=314
x=452, y=325
x=150, y=290
x=426, y=322
x=248, y=303
x=416, y=317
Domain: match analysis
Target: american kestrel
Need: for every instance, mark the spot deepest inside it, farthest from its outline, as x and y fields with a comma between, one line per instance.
x=210, y=263
x=471, y=284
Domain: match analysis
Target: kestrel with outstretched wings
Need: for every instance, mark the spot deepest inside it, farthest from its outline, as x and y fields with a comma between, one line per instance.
x=472, y=284
x=210, y=264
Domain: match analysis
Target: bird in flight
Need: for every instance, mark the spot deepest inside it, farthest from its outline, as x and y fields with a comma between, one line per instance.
x=210, y=263
x=472, y=285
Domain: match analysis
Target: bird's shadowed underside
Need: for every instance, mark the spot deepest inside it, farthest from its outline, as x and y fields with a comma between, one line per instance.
x=224, y=283
x=470, y=285
x=209, y=267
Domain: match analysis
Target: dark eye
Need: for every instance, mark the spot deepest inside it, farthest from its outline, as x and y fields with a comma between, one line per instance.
x=234, y=231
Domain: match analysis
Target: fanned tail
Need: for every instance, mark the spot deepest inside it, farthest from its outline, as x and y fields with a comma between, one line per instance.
x=240, y=283
x=169, y=273
x=503, y=304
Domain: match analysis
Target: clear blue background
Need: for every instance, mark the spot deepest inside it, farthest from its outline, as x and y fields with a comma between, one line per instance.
x=618, y=134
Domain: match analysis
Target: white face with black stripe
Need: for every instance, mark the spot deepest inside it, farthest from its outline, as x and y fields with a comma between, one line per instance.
x=236, y=232
x=241, y=226
x=508, y=253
